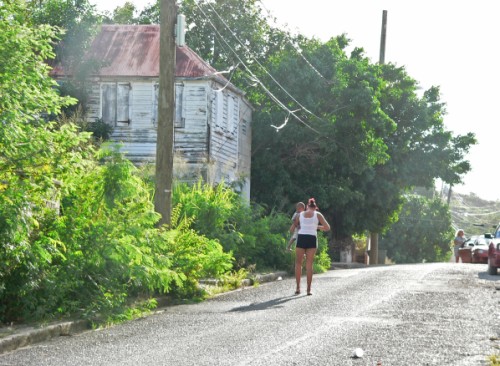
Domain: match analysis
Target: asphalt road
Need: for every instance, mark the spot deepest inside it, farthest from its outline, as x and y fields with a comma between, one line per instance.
x=424, y=314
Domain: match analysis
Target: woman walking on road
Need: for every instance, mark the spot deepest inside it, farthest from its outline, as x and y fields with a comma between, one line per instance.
x=308, y=223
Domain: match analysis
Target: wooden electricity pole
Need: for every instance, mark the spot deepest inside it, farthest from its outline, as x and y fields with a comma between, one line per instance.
x=166, y=106
x=383, y=37
x=374, y=236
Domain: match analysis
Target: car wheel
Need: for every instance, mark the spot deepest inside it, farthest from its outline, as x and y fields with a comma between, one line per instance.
x=492, y=270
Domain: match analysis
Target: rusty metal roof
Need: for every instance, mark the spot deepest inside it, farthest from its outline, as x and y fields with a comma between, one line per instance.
x=134, y=50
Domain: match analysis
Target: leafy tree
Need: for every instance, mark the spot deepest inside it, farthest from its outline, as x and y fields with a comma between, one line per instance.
x=124, y=14
x=422, y=233
x=78, y=19
x=150, y=14
x=334, y=146
x=75, y=235
x=368, y=139
x=34, y=154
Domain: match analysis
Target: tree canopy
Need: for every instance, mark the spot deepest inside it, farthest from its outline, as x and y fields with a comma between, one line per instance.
x=328, y=124
x=422, y=233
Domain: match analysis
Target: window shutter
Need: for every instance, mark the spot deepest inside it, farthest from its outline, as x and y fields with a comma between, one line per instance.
x=155, y=104
x=180, y=113
x=122, y=103
x=109, y=103
x=219, y=112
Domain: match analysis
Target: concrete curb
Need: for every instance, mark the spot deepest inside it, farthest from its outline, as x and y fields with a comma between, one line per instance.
x=261, y=278
x=30, y=335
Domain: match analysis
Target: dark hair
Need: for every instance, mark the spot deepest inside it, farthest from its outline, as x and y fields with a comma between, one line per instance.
x=311, y=203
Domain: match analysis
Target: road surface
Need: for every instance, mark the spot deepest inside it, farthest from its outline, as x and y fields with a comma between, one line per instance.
x=422, y=314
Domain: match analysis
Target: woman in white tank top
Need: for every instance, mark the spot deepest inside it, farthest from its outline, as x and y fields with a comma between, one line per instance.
x=308, y=223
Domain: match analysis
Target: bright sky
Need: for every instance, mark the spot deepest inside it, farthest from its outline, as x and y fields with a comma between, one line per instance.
x=452, y=45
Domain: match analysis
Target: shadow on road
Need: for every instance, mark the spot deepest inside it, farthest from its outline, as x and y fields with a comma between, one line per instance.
x=275, y=303
x=486, y=276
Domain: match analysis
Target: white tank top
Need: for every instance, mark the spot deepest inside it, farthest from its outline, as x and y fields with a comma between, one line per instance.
x=308, y=226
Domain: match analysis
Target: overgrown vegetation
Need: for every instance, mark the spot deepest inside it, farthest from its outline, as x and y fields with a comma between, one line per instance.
x=423, y=232
x=78, y=231
x=494, y=360
x=100, y=249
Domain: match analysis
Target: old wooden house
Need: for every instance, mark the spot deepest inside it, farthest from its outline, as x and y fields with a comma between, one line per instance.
x=212, y=124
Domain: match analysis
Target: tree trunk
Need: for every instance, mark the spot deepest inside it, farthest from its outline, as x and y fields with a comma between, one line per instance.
x=373, y=248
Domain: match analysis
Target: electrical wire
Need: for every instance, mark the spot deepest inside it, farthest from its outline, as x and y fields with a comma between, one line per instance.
x=254, y=77
x=258, y=63
x=299, y=51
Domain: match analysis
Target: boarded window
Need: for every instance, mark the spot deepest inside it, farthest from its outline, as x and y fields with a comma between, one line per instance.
x=227, y=112
x=179, y=113
x=244, y=127
x=219, y=111
x=115, y=103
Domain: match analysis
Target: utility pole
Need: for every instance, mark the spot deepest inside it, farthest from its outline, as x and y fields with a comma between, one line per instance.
x=383, y=35
x=166, y=108
x=374, y=236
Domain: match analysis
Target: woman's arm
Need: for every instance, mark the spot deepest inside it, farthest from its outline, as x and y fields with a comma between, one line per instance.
x=296, y=224
x=325, y=226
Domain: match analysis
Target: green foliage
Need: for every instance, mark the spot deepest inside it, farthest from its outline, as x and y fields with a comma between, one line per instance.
x=494, y=360
x=422, y=233
x=239, y=25
x=322, y=261
x=368, y=139
x=75, y=236
x=219, y=213
x=77, y=18
x=124, y=14
x=103, y=249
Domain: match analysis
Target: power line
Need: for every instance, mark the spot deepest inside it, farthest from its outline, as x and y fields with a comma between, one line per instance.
x=299, y=51
x=258, y=63
x=254, y=77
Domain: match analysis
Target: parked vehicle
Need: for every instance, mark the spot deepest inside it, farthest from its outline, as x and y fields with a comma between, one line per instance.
x=494, y=252
x=465, y=253
x=480, y=249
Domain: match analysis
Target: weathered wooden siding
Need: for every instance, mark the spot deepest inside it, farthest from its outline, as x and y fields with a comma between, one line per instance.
x=191, y=139
x=212, y=135
x=191, y=135
x=224, y=132
x=245, y=148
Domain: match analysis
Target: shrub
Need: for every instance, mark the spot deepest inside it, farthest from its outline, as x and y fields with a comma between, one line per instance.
x=104, y=250
x=255, y=240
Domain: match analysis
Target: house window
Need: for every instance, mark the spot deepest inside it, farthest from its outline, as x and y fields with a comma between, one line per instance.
x=226, y=114
x=244, y=127
x=179, y=113
x=115, y=98
x=179, y=118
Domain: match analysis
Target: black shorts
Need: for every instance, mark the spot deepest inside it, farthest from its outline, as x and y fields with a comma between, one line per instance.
x=306, y=241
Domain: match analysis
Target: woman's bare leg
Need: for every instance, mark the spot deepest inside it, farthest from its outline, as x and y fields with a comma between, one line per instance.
x=299, y=257
x=309, y=267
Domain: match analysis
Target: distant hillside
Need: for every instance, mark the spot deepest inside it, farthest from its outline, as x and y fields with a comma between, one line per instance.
x=469, y=211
